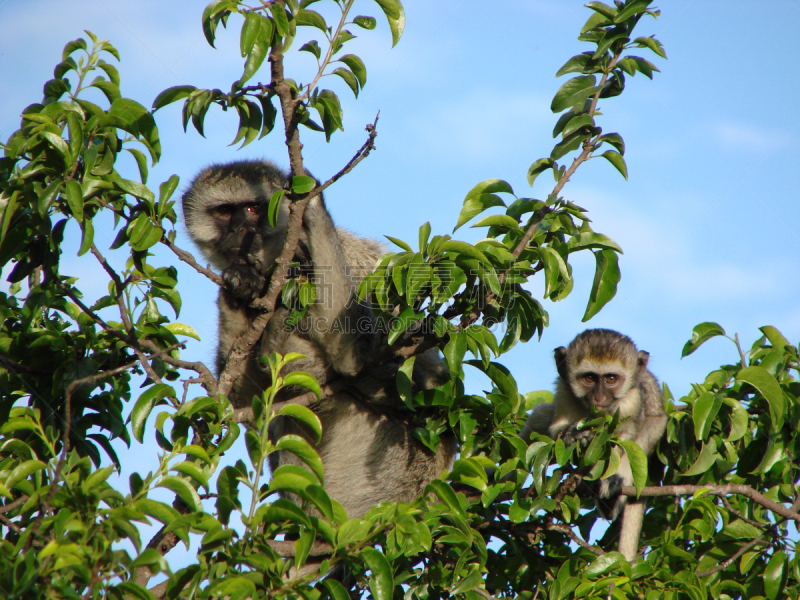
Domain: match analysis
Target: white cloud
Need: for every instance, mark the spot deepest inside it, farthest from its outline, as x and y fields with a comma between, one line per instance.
x=743, y=137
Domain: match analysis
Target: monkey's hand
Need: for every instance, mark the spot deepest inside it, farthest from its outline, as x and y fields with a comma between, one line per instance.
x=244, y=282
x=609, y=501
x=573, y=434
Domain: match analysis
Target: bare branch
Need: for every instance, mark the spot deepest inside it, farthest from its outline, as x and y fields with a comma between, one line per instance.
x=362, y=153
x=329, y=54
x=715, y=490
x=286, y=548
x=725, y=563
x=567, y=530
x=12, y=505
x=15, y=366
x=206, y=378
x=189, y=260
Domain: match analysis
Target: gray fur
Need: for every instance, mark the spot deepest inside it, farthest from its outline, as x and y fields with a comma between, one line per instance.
x=367, y=449
x=601, y=352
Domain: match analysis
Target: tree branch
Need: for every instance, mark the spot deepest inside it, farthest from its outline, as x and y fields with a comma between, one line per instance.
x=715, y=490
x=188, y=258
x=567, y=530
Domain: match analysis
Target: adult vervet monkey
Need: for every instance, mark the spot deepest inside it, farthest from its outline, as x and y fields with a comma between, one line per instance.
x=602, y=371
x=368, y=453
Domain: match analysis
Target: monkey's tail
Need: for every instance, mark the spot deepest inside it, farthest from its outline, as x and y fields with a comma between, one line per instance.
x=632, y=518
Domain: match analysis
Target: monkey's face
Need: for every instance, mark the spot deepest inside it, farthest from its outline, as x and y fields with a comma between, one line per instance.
x=245, y=235
x=600, y=384
x=226, y=214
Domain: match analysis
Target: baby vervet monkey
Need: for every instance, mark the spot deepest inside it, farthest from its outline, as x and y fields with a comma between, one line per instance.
x=369, y=454
x=602, y=370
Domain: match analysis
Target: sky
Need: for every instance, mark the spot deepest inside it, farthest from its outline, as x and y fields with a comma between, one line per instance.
x=709, y=219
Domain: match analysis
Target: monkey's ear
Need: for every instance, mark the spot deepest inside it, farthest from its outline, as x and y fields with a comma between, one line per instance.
x=644, y=357
x=561, y=362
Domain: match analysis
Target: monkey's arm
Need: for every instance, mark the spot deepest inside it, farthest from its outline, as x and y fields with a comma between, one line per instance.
x=340, y=324
x=539, y=421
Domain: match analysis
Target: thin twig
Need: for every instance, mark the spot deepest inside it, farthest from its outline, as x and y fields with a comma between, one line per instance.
x=714, y=490
x=567, y=530
x=189, y=260
x=362, y=153
x=12, y=505
x=328, y=55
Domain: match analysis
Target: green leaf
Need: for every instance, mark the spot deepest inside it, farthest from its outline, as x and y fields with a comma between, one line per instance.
x=615, y=140
x=630, y=9
x=574, y=92
x=474, y=205
x=704, y=412
x=75, y=199
x=769, y=387
x=193, y=470
x=292, y=478
x=498, y=221
x=701, y=334
x=395, y=15
x=454, y=353
x=567, y=145
x=232, y=588
x=424, y=235
x=580, y=63
x=305, y=416
x=604, y=287
x=182, y=329
x=490, y=186
x=616, y=159
x=249, y=121
x=774, y=575
x=250, y=30
x=23, y=471
x=651, y=43
x=183, y=489
x=540, y=166
x=708, y=455
x=349, y=79
x=589, y=239
x=577, y=123
x=170, y=95
x=465, y=249
x=255, y=59
x=405, y=381
x=280, y=19
x=365, y=22
x=356, y=66
x=313, y=48
x=399, y=242
x=446, y=494
x=303, y=450
x=402, y=322
x=87, y=236
x=275, y=206
x=303, y=380
x=310, y=18
x=145, y=405
x=638, y=462
x=302, y=184
x=381, y=583
x=775, y=337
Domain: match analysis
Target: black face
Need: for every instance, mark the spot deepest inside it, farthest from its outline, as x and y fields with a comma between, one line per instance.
x=601, y=389
x=242, y=228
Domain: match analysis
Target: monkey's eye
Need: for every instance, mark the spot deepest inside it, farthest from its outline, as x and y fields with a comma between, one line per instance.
x=251, y=208
x=224, y=210
x=612, y=379
x=589, y=379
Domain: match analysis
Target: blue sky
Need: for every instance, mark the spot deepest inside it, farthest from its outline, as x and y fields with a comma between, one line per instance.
x=709, y=220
